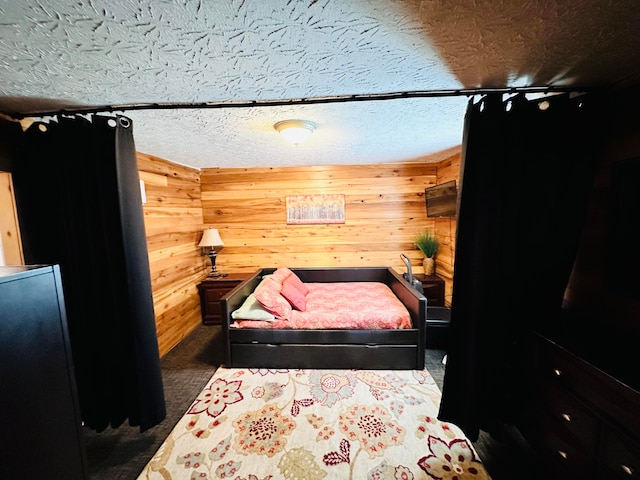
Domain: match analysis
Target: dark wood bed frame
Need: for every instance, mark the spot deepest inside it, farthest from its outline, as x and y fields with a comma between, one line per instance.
x=401, y=349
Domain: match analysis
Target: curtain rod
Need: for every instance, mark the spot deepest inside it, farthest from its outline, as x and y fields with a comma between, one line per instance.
x=299, y=101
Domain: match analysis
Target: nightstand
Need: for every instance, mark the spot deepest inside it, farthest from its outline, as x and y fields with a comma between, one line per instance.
x=433, y=287
x=211, y=290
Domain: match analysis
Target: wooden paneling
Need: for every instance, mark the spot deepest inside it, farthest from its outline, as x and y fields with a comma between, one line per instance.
x=384, y=203
x=445, y=229
x=173, y=223
x=385, y=209
x=10, y=245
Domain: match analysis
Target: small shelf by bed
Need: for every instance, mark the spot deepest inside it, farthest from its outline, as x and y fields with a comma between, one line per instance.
x=433, y=287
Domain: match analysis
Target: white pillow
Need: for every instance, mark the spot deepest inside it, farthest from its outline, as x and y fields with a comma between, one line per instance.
x=252, y=310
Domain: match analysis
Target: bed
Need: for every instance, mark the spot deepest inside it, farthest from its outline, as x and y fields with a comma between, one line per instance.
x=272, y=346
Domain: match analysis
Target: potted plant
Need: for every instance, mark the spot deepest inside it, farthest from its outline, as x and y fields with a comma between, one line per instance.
x=428, y=244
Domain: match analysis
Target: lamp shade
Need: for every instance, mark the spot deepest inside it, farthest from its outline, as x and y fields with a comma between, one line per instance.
x=211, y=238
x=295, y=131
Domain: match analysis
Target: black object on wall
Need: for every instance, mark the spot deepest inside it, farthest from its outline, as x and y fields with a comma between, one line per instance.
x=79, y=205
x=441, y=200
x=527, y=172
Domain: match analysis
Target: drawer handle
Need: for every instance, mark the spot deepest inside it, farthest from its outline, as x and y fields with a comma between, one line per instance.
x=566, y=417
x=627, y=470
x=557, y=372
x=563, y=454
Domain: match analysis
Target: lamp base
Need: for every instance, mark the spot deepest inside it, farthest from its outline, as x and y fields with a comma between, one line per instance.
x=214, y=273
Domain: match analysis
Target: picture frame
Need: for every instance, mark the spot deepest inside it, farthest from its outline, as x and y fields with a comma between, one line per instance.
x=315, y=209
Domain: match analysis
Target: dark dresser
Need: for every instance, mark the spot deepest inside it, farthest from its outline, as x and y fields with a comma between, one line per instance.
x=211, y=290
x=40, y=423
x=584, y=423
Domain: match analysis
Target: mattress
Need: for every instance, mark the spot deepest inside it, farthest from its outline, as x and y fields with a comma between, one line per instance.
x=342, y=305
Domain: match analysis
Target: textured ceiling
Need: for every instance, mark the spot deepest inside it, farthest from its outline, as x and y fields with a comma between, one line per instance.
x=71, y=53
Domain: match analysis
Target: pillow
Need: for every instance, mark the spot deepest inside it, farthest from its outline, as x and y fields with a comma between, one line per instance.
x=295, y=280
x=251, y=309
x=280, y=274
x=268, y=294
x=294, y=296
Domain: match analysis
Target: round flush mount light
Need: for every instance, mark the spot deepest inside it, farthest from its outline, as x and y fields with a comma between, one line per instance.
x=295, y=131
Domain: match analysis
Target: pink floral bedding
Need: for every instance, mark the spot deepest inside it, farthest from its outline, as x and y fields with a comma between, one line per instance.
x=343, y=305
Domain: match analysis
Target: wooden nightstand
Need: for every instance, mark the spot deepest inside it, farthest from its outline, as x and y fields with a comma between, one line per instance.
x=438, y=316
x=211, y=290
x=433, y=287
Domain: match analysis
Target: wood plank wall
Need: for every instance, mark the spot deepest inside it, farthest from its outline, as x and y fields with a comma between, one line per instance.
x=173, y=223
x=10, y=243
x=385, y=209
x=445, y=228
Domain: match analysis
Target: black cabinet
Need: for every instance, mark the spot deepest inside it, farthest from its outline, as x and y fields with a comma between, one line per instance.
x=40, y=423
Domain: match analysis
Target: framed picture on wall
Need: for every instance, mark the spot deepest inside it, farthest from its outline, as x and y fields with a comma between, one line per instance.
x=315, y=209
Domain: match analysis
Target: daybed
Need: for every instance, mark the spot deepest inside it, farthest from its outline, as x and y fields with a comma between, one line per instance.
x=358, y=348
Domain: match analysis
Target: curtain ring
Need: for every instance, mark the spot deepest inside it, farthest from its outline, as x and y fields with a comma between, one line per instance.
x=124, y=122
x=544, y=105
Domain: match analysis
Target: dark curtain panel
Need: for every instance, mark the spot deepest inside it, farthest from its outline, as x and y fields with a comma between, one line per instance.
x=526, y=175
x=79, y=205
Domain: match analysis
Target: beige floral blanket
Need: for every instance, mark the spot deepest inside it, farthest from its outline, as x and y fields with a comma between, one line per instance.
x=259, y=424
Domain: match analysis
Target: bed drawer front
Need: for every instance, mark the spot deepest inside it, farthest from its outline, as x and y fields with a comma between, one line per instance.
x=381, y=357
x=325, y=337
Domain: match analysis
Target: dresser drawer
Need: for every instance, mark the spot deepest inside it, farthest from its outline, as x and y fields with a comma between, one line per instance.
x=580, y=422
x=620, y=455
x=214, y=294
x=605, y=395
x=213, y=309
x=214, y=291
x=559, y=367
x=564, y=457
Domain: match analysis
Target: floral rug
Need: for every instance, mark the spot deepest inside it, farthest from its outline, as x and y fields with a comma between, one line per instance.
x=259, y=424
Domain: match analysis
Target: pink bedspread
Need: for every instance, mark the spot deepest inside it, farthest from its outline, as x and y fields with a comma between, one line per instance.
x=343, y=305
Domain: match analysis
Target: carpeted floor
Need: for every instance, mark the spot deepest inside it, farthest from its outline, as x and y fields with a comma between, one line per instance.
x=122, y=453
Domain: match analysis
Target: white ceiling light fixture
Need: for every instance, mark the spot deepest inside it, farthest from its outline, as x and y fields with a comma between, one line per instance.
x=295, y=131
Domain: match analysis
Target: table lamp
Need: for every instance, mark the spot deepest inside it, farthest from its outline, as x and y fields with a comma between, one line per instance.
x=211, y=238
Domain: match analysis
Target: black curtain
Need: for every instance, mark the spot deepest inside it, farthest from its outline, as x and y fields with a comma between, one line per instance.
x=527, y=171
x=79, y=205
